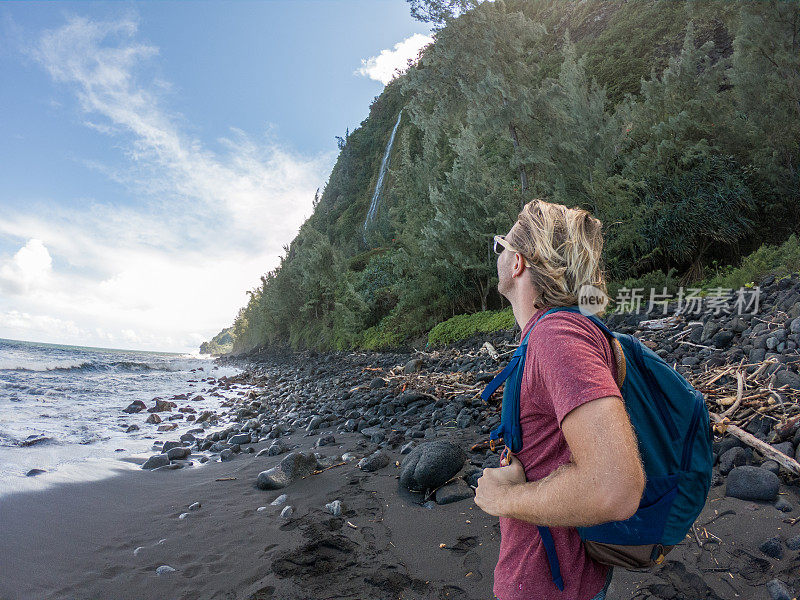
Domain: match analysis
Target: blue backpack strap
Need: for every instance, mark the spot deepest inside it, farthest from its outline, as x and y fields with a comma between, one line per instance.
x=552, y=557
x=509, y=428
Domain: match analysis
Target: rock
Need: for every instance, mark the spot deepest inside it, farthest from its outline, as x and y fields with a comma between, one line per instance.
x=377, y=383
x=240, y=438
x=134, y=407
x=272, y=479
x=183, y=515
x=722, y=339
x=226, y=455
x=131, y=428
x=287, y=512
x=793, y=543
x=275, y=449
x=325, y=440
x=413, y=366
x=407, y=448
x=153, y=419
x=170, y=445
x=164, y=569
x=430, y=465
x=292, y=467
x=335, y=508
x=794, y=326
x=783, y=505
x=778, y=591
x=155, y=461
x=375, y=461
x=752, y=483
x=788, y=378
x=453, y=492
x=162, y=406
x=168, y=427
x=314, y=423
x=280, y=500
x=34, y=472
x=178, y=453
x=195, y=506
x=735, y=457
x=771, y=465
x=772, y=548
x=298, y=464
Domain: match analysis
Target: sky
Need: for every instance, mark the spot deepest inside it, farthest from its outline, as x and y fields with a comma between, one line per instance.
x=155, y=157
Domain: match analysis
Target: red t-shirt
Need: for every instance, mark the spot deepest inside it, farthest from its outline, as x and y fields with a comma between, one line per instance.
x=569, y=362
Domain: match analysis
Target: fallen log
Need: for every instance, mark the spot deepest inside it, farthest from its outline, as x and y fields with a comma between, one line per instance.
x=788, y=463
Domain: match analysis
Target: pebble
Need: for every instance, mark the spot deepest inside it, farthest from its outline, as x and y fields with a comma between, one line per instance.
x=194, y=506
x=183, y=515
x=287, y=512
x=335, y=508
x=772, y=548
x=375, y=461
x=793, y=543
x=282, y=499
x=784, y=505
x=778, y=591
x=164, y=569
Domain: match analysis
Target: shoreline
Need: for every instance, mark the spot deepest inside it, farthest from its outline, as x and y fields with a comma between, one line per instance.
x=81, y=540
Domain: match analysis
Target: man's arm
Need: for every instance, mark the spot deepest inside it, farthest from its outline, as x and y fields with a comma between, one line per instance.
x=603, y=482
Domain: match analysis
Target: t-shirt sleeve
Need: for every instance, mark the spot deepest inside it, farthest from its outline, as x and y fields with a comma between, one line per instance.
x=573, y=363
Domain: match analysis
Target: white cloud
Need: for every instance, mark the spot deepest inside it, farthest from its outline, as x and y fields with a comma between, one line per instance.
x=389, y=62
x=28, y=269
x=174, y=268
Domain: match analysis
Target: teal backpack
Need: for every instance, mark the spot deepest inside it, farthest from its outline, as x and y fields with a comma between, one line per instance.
x=673, y=432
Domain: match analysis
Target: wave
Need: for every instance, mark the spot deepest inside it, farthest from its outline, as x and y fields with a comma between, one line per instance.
x=83, y=365
x=38, y=365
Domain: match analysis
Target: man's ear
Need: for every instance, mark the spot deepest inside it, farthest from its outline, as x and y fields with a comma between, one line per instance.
x=519, y=265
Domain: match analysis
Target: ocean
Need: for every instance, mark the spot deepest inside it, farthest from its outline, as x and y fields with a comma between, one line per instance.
x=61, y=408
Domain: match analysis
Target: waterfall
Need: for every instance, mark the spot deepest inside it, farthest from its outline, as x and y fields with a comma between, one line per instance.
x=373, y=206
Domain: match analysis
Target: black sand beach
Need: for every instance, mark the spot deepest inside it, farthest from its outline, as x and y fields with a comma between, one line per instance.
x=134, y=535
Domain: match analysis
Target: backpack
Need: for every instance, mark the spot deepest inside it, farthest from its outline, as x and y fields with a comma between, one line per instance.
x=673, y=433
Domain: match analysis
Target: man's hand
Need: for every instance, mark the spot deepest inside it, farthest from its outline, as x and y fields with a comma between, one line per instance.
x=496, y=484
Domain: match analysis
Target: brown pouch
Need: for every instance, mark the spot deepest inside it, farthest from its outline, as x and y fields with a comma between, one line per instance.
x=629, y=557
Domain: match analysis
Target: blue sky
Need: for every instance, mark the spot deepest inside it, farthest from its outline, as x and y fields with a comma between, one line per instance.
x=156, y=156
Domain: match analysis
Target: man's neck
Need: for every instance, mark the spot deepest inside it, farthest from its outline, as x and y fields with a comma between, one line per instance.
x=523, y=308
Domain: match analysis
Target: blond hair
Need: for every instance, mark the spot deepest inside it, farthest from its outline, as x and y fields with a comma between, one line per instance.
x=564, y=246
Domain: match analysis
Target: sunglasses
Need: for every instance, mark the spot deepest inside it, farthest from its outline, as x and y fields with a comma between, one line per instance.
x=501, y=243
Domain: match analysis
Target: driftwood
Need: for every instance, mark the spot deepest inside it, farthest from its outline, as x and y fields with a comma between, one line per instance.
x=786, y=462
x=490, y=350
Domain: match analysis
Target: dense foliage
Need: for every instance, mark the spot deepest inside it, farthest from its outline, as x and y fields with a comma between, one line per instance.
x=675, y=123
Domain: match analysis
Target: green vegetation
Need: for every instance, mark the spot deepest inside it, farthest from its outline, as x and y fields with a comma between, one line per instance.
x=222, y=343
x=780, y=260
x=462, y=327
x=676, y=123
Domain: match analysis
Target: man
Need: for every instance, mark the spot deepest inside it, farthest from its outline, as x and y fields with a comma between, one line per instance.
x=579, y=464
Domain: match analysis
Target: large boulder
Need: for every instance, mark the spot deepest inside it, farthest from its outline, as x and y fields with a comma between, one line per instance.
x=430, y=465
x=752, y=483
